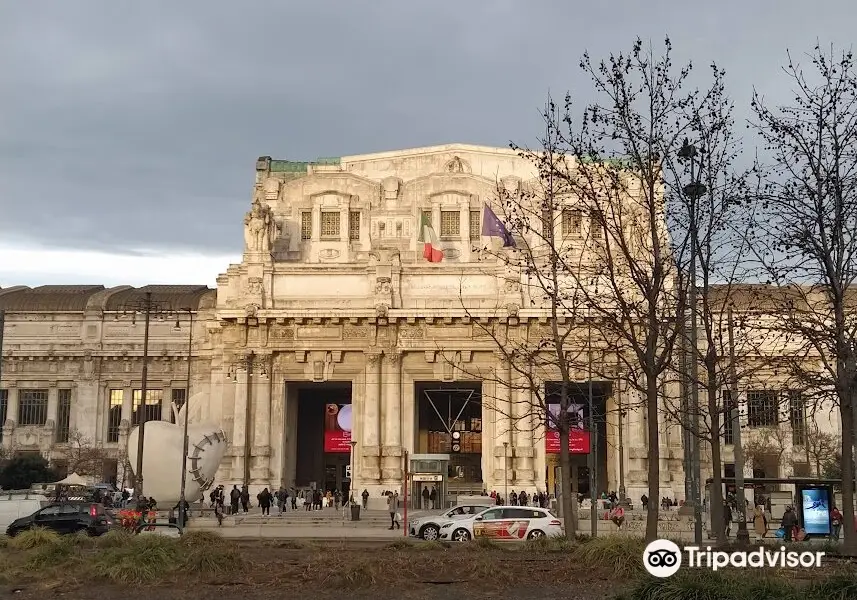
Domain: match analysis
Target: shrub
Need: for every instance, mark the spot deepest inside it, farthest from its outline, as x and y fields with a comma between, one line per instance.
x=840, y=587
x=34, y=538
x=704, y=584
x=114, y=538
x=4, y=541
x=48, y=556
x=623, y=554
x=550, y=544
x=211, y=559
x=197, y=537
x=145, y=559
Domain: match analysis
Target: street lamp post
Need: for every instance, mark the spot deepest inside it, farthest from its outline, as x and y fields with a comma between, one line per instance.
x=138, y=480
x=505, y=472
x=593, y=444
x=182, y=499
x=743, y=535
x=694, y=190
x=353, y=444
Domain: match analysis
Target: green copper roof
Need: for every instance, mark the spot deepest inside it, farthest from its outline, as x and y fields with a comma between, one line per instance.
x=296, y=166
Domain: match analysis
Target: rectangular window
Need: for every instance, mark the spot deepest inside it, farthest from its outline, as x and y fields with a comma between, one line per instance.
x=179, y=398
x=571, y=220
x=797, y=417
x=114, y=415
x=32, y=407
x=4, y=405
x=547, y=221
x=596, y=224
x=63, y=415
x=329, y=225
x=306, y=225
x=475, y=225
x=728, y=429
x=354, y=225
x=762, y=408
x=450, y=223
x=154, y=399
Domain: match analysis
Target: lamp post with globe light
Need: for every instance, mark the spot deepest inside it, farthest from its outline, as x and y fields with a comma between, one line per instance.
x=186, y=407
x=147, y=307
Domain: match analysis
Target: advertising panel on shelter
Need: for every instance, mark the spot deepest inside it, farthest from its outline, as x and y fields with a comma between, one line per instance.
x=337, y=428
x=578, y=437
x=815, y=506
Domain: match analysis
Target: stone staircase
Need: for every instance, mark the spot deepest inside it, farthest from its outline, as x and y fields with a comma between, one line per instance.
x=328, y=518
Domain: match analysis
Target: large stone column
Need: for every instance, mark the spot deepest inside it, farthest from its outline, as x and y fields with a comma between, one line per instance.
x=502, y=406
x=391, y=450
x=239, y=427
x=523, y=436
x=261, y=472
x=370, y=468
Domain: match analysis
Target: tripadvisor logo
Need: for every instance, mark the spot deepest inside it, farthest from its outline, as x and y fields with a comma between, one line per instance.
x=663, y=558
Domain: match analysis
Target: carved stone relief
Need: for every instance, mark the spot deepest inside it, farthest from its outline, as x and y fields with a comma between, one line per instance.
x=457, y=165
x=254, y=286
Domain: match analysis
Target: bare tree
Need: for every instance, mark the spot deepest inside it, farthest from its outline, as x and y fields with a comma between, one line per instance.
x=765, y=443
x=531, y=266
x=820, y=447
x=806, y=236
x=620, y=147
x=83, y=455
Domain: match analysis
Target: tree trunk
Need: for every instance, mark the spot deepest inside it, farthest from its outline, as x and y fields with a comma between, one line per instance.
x=846, y=415
x=568, y=502
x=654, y=459
x=716, y=495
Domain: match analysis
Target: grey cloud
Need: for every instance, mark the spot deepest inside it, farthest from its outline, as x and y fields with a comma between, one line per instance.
x=138, y=126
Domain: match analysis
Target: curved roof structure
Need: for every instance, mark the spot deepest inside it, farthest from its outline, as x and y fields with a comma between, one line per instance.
x=48, y=298
x=164, y=297
x=77, y=298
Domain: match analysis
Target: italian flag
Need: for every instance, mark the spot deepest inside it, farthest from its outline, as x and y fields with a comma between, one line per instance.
x=431, y=247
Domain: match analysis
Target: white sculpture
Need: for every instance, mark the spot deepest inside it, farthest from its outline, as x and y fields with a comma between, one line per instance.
x=162, y=458
x=257, y=228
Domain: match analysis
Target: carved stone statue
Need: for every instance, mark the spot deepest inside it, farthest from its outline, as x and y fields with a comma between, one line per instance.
x=257, y=228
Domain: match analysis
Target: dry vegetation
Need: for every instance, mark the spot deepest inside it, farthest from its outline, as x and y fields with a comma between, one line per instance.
x=200, y=564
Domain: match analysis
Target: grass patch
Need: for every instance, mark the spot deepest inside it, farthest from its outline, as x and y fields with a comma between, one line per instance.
x=549, y=544
x=114, y=538
x=839, y=587
x=34, y=538
x=291, y=545
x=622, y=554
x=145, y=560
x=4, y=541
x=197, y=537
x=400, y=545
x=704, y=585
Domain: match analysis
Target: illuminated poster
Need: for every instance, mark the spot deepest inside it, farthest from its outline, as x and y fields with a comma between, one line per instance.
x=578, y=437
x=337, y=428
x=815, y=505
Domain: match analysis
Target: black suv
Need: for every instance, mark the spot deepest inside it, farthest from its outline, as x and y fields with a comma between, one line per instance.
x=65, y=517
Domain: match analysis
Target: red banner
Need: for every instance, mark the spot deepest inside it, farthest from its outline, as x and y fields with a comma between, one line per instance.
x=337, y=441
x=578, y=441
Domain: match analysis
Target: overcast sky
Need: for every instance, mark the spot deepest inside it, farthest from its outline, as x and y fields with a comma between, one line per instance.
x=133, y=128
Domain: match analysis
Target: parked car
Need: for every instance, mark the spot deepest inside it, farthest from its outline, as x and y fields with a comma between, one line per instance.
x=504, y=523
x=65, y=517
x=427, y=527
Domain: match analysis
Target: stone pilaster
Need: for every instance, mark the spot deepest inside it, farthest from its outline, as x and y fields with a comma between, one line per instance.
x=502, y=406
x=11, y=416
x=391, y=450
x=524, y=476
x=53, y=409
x=239, y=427
x=370, y=468
x=261, y=472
